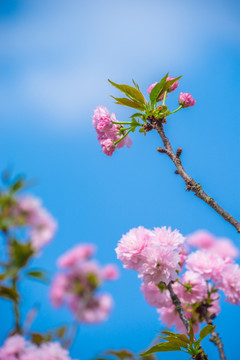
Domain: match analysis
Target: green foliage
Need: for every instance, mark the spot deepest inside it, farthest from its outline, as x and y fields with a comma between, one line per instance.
x=38, y=275
x=20, y=253
x=9, y=293
x=130, y=103
x=132, y=93
x=180, y=342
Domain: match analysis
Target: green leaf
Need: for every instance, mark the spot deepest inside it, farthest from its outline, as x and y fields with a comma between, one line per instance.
x=18, y=184
x=131, y=92
x=206, y=331
x=38, y=275
x=137, y=115
x=175, y=340
x=169, y=346
x=9, y=293
x=135, y=84
x=121, y=354
x=169, y=83
x=130, y=103
x=154, y=94
x=20, y=253
x=38, y=338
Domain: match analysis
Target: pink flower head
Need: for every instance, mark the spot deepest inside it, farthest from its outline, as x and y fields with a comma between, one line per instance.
x=94, y=310
x=58, y=289
x=195, y=290
x=13, y=347
x=131, y=246
x=110, y=272
x=205, y=240
x=161, y=265
x=166, y=237
x=154, y=296
x=225, y=248
x=207, y=264
x=53, y=351
x=108, y=132
x=186, y=100
x=74, y=256
x=108, y=146
x=174, y=85
x=41, y=223
x=17, y=348
x=201, y=239
x=231, y=283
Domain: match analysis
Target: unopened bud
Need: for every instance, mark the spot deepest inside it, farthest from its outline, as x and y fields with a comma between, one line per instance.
x=179, y=152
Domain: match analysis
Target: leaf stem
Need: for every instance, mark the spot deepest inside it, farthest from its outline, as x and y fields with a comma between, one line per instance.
x=122, y=122
x=17, y=329
x=164, y=98
x=116, y=142
x=174, y=111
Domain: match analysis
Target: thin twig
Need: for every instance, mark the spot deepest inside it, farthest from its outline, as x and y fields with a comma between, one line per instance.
x=215, y=338
x=191, y=184
x=178, y=307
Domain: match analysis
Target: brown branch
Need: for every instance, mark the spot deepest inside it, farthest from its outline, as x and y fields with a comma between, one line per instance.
x=178, y=307
x=191, y=184
x=215, y=338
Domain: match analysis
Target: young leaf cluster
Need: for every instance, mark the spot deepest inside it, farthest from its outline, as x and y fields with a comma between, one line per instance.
x=181, y=342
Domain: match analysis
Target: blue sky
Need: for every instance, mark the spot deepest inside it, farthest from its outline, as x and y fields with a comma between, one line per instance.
x=55, y=58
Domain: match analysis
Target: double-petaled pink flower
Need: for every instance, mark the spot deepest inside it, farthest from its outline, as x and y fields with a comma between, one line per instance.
x=107, y=131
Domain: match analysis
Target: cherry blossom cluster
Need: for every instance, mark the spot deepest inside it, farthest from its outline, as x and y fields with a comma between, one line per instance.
x=162, y=256
x=28, y=211
x=113, y=135
x=77, y=286
x=18, y=348
x=108, y=131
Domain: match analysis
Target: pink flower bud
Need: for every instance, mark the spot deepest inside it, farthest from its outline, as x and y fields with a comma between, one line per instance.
x=151, y=87
x=186, y=100
x=174, y=85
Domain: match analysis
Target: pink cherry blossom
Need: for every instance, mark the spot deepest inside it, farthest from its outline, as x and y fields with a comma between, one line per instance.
x=231, y=283
x=75, y=255
x=58, y=289
x=42, y=226
x=17, y=348
x=96, y=310
x=201, y=239
x=110, y=272
x=170, y=317
x=161, y=265
x=108, y=146
x=207, y=264
x=166, y=237
x=186, y=100
x=174, y=85
x=154, y=296
x=151, y=87
x=224, y=248
x=131, y=246
x=108, y=132
x=195, y=290
x=77, y=287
